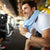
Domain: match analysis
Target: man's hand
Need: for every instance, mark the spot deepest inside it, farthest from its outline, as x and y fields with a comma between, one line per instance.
x=23, y=31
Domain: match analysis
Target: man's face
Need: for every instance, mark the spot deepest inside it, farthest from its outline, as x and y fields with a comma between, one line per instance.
x=27, y=11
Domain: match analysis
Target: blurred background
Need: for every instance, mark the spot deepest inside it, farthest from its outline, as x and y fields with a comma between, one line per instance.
x=11, y=17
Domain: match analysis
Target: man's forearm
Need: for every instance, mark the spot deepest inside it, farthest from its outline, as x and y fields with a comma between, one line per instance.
x=41, y=41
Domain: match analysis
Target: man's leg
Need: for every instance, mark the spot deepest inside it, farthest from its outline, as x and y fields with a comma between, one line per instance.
x=45, y=48
x=29, y=43
x=1, y=39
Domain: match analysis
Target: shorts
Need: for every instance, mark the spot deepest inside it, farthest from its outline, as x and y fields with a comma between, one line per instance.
x=38, y=35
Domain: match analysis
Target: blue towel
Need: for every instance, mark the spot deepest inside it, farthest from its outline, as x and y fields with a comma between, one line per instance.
x=29, y=22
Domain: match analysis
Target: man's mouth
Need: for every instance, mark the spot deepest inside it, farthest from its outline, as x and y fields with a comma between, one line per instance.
x=25, y=14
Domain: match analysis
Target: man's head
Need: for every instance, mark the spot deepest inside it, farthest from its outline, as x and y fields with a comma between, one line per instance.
x=28, y=7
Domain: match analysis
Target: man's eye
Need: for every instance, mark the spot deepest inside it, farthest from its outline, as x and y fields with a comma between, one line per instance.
x=25, y=8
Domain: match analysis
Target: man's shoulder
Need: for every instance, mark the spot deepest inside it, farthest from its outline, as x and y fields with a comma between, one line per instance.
x=44, y=14
x=44, y=21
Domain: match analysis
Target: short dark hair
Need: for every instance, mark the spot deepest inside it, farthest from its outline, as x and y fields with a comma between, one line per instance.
x=30, y=3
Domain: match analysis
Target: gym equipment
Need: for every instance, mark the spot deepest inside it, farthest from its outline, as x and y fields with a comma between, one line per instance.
x=3, y=25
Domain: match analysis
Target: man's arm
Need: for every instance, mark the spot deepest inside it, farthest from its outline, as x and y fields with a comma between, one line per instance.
x=45, y=40
x=23, y=30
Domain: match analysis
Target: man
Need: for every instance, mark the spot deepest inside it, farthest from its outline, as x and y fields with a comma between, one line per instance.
x=42, y=25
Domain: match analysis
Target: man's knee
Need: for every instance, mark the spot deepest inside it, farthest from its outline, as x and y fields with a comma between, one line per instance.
x=28, y=42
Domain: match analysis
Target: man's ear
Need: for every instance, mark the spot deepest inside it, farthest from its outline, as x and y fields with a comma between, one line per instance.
x=33, y=9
